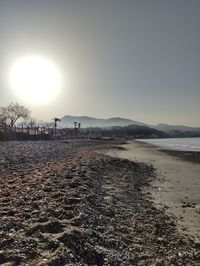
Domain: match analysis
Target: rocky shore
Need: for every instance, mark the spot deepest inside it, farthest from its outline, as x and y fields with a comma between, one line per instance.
x=65, y=204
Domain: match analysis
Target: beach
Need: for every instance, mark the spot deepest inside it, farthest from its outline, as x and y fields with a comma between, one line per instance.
x=84, y=203
x=177, y=185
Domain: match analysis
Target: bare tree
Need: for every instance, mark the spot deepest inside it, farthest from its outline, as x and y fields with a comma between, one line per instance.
x=2, y=118
x=13, y=112
x=32, y=122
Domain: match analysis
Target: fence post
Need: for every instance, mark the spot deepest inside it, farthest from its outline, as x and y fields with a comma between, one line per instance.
x=5, y=131
x=15, y=134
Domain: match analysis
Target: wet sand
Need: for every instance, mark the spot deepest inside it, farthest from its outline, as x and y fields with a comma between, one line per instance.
x=64, y=203
x=177, y=185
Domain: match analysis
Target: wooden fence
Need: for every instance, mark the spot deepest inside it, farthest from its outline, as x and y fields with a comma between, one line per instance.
x=37, y=133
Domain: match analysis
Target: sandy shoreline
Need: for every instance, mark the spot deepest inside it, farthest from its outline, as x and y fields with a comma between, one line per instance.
x=193, y=156
x=177, y=184
x=67, y=204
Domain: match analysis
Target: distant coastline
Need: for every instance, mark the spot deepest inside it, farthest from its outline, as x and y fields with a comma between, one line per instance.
x=175, y=144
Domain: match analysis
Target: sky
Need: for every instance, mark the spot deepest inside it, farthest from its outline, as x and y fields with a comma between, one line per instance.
x=138, y=59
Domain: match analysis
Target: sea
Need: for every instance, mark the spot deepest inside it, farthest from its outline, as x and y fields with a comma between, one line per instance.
x=180, y=144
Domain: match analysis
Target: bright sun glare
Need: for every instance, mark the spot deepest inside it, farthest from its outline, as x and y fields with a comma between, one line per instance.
x=35, y=79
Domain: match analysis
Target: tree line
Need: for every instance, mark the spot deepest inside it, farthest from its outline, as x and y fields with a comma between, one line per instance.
x=131, y=131
x=10, y=114
x=16, y=114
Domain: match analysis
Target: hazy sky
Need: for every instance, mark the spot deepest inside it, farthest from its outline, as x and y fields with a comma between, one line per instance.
x=138, y=59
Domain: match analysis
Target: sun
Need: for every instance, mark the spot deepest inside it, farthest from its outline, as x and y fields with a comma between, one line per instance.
x=35, y=79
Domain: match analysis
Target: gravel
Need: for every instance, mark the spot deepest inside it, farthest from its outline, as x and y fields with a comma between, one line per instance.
x=62, y=203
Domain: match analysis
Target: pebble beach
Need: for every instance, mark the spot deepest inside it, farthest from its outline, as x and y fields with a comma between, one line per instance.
x=67, y=203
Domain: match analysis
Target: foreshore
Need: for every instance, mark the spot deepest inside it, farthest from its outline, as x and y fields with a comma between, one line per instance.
x=68, y=203
x=177, y=183
x=190, y=156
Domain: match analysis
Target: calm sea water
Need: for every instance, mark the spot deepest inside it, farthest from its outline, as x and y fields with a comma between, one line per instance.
x=181, y=144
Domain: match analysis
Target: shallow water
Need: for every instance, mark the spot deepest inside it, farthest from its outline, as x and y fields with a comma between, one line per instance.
x=181, y=144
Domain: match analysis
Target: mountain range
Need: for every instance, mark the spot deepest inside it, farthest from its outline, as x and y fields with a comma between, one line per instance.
x=87, y=121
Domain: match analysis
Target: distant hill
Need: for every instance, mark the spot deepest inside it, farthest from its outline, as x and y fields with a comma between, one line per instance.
x=91, y=122
x=87, y=121
x=130, y=131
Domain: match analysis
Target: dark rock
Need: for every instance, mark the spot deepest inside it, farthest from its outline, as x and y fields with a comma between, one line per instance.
x=2, y=257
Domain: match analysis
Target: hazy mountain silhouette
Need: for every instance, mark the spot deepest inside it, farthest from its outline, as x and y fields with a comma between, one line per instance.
x=87, y=121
